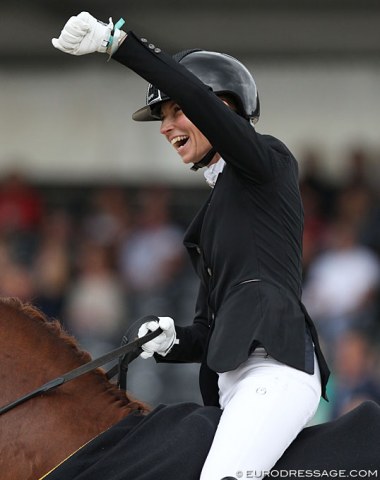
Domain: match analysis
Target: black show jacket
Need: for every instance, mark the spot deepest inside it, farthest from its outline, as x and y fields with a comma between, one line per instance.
x=246, y=241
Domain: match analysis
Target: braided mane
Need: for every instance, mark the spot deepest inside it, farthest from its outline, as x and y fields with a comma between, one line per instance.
x=55, y=328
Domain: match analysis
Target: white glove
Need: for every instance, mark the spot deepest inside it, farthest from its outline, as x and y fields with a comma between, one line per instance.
x=161, y=344
x=84, y=34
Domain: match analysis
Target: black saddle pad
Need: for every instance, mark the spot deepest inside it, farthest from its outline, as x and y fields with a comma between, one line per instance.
x=172, y=443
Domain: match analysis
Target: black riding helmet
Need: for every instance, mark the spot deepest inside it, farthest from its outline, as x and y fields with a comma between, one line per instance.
x=223, y=73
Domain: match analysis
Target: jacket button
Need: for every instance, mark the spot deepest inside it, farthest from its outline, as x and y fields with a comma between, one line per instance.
x=157, y=50
x=151, y=46
x=209, y=271
x=144, y=40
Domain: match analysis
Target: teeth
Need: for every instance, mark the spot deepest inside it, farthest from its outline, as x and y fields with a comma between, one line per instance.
x=180, y=138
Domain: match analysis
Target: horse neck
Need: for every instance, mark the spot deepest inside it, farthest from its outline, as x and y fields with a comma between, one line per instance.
x=45, y=431
x=39, y=434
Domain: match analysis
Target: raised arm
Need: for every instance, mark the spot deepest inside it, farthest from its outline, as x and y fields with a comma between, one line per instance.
x=231, y=135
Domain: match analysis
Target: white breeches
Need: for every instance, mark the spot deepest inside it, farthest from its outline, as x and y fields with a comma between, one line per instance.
x=265, y=405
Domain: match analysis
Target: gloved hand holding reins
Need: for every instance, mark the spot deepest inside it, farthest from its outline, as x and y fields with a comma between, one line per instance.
x=161, y=344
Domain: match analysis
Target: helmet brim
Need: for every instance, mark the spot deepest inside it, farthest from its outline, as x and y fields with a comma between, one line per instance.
x=144, y=114
x=152, y=111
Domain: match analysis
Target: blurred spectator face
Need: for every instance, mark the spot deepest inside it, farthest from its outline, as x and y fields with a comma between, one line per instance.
x=109, y=218
x=94, y=259
x=354, y=204
x=16, y=281
x=353, y=358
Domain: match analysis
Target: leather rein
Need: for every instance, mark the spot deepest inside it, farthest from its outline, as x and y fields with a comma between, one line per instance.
x=125, y=353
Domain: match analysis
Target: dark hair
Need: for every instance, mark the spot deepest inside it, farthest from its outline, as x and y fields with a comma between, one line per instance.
x=230, y=100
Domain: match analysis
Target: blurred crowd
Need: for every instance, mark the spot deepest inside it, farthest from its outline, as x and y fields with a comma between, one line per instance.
x=342, y=274
x=116, y=254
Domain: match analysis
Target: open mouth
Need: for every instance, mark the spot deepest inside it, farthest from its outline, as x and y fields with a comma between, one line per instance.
x=179, y=142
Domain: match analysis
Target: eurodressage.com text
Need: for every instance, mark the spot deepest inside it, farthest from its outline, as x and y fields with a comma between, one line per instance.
x=308, y=474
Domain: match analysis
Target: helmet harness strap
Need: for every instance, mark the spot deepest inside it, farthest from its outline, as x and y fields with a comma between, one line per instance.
x=205, y=160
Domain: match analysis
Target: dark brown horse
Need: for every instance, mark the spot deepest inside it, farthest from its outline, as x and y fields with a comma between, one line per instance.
x=169, y=443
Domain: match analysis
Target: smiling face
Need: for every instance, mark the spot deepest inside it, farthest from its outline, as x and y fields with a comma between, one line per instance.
x=183, y=135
